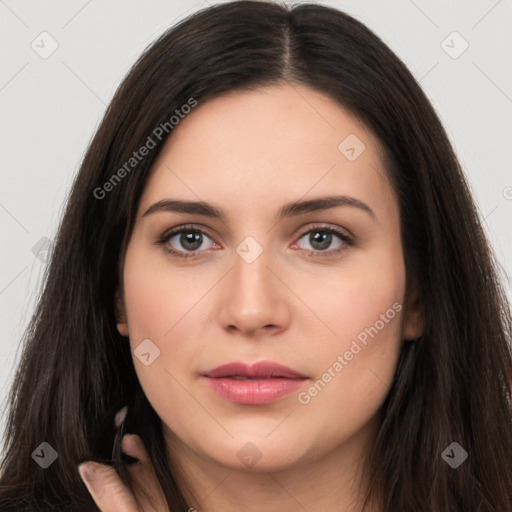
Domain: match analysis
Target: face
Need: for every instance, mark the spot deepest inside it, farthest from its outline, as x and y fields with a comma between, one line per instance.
x=320, y=289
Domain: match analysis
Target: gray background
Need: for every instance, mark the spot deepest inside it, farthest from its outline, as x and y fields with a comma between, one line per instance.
x=52, y=106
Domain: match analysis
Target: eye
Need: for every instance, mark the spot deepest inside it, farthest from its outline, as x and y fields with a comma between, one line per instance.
x=189, y=241
x=183, y=240
x=321, y=238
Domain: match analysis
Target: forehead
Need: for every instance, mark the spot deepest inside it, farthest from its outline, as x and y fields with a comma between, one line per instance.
x=254, y=149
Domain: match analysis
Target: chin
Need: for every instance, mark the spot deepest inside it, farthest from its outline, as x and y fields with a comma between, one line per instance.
x=258, y=454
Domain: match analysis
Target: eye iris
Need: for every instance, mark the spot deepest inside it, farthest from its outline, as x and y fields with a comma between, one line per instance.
x=189, y=237
x=324, y=239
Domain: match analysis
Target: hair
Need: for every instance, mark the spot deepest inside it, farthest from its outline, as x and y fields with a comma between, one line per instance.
x=451, y=384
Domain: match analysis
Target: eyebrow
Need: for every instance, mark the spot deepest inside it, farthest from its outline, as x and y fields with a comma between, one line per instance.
x=291, y=209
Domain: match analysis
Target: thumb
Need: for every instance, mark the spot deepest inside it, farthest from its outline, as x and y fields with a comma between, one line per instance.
x=106, y=488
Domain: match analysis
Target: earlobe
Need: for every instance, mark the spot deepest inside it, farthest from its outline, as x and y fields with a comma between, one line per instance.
x=120, y=311
x=414, y=318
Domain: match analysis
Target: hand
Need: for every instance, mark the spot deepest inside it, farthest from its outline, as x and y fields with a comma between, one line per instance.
x=109, y=492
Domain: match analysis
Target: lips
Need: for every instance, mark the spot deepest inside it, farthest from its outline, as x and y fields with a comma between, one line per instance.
x=261, y=370
x=256, y=384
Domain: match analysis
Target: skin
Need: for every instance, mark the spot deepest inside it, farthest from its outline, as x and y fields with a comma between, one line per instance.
x=249, y=153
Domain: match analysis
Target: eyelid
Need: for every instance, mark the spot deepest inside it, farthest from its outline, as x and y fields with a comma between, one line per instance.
x=328, y=227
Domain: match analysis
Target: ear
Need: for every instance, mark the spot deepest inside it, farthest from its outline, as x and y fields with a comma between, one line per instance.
x=414, y=318
x=120, y=311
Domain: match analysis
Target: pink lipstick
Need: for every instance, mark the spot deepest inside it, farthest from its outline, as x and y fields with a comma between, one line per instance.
x=260, y=383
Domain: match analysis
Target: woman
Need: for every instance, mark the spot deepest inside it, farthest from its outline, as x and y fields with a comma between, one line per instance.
x=336, y=336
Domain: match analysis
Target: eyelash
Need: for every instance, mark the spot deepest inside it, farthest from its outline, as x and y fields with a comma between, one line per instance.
x=347, y=241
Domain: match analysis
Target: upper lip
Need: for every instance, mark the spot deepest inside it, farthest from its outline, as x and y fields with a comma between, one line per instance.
x=262, y=369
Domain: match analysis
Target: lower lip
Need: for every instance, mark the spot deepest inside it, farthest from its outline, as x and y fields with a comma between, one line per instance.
x=253, y=391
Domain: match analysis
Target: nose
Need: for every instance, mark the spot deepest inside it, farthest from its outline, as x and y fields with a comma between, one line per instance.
x=254, y=300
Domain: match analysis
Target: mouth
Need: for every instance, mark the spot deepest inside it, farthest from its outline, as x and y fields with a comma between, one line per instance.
x=257, y=384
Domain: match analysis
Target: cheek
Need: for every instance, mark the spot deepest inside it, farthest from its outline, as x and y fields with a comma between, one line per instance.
x=159, y=299
x=354, y=362
x=162, y=306
x=358, y=297
x=355, y=369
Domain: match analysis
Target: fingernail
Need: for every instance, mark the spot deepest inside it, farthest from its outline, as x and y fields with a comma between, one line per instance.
x=130, y=443
x=120, y=416
x=86, y=471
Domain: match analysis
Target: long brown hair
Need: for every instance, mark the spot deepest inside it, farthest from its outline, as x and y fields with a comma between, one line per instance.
x=451, y=385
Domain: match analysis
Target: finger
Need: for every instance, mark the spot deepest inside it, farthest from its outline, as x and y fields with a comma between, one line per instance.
x=144, y=474
x=106, y=488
